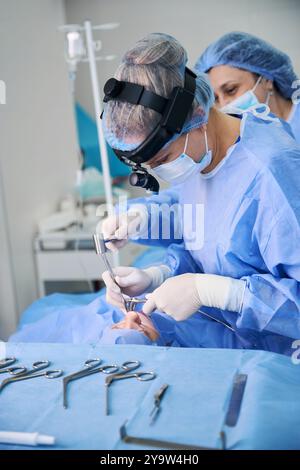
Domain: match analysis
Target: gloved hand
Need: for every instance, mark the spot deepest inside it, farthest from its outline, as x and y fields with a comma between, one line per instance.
x=130, y=224
x=183, y=295
x=132, y=282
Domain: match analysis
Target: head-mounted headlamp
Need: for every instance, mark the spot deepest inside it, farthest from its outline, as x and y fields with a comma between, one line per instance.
x=174, y=111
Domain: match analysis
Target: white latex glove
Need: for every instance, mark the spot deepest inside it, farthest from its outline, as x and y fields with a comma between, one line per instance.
x=183, y=295
x=130, y=224
x=132, y=282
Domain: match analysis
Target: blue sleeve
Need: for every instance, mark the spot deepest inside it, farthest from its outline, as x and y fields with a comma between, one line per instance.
x=272, y=301
x=180, y=260
x=167, y=196
x=161, y=222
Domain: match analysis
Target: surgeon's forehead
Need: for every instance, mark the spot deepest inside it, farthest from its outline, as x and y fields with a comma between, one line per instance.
x=225, y=74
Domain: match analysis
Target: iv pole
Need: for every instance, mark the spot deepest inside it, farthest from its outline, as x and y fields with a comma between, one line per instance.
x=98, y=111
x=89, y=56
x=80, y=54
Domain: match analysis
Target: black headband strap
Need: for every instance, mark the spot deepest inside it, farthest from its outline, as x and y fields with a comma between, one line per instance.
x=134, y=94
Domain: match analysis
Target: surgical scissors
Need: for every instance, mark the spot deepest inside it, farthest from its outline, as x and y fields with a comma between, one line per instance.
x=32, y=373
x=126, y=372
x=7, y=361
x=5, y=369
x=91, y=366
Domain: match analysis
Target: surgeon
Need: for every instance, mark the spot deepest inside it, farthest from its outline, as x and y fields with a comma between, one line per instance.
x=245, y=70
x=234, y=281
x=244, y=171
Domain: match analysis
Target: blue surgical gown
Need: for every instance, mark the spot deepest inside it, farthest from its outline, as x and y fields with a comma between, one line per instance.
x=155, y=234
x=251, y=231
x=294, y=121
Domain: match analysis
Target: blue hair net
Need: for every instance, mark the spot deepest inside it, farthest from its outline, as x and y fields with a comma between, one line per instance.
x=251, y=53
x=204, y=97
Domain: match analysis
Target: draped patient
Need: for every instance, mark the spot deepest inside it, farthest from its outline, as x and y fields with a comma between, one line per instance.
x=140, y=322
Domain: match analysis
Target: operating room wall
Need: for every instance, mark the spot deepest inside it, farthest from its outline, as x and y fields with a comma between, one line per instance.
x=194, y=22
x=37, y=141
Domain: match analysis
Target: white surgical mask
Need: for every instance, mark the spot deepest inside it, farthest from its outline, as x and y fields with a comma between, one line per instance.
x=179, y=170
x=245, y=101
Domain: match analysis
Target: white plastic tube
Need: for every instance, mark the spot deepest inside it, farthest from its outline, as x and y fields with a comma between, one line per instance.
x=26, y=438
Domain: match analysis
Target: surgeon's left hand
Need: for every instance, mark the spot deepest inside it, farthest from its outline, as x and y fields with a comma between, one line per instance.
x=183, y=295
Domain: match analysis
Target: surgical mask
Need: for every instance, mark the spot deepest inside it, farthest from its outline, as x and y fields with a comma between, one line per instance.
x=245, y=101
x=179, y=170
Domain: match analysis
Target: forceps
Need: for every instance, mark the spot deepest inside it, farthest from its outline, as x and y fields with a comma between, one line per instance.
x=132, y=302
x=8, y=361
x=157, y=401
x=126, y=372
x=32, y=373
x=101, y=250
x=91, y=366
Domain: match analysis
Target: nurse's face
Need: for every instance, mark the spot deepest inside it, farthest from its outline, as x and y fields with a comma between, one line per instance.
x=230, y=82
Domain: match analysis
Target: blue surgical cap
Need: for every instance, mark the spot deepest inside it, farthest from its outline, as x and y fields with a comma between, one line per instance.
x=248, y=52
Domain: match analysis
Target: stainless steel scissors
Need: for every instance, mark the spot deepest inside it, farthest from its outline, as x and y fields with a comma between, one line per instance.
x=8, y=361
x=32, y=373
x=126, y=372
x=91, y=366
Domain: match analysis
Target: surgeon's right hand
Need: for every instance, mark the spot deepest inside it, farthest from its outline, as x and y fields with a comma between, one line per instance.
x=130, y=224
x=132, y=281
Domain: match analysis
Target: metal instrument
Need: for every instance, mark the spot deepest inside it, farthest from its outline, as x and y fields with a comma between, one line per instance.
x=235, y=403
x=101, y=250
x=15, y=370
x=132, y=302
x=7, y=361
x=37, y=367
x=126, y=372
x=157, y=400
x=147, y=441
x=91, y=366
x=217, y=320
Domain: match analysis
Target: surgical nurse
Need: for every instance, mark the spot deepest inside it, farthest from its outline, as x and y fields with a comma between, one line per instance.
x=245, y=70
x=244, y=172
